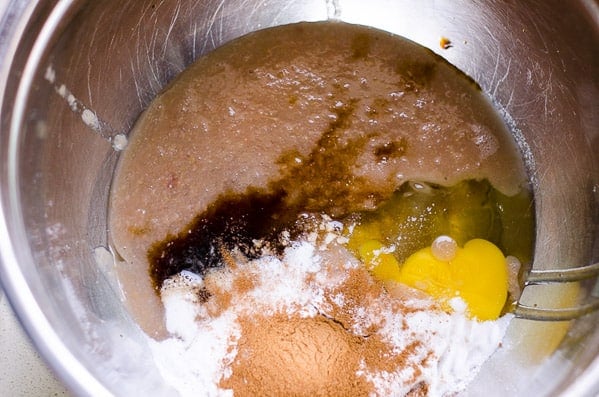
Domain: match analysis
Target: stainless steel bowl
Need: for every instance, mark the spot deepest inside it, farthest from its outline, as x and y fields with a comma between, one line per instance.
x=75, y=75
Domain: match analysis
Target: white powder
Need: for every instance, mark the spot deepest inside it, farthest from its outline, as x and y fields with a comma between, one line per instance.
x=119, y=142
x=446, y=349
x=50, y=74
x=90, y=119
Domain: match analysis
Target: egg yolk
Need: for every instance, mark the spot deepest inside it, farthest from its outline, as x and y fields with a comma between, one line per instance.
x=477, y=273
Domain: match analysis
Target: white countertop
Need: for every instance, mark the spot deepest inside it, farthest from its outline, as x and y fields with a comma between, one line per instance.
x=22, y=371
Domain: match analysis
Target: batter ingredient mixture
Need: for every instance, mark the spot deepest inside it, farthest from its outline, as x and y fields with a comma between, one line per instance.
x=314, y=322
x=321, y=209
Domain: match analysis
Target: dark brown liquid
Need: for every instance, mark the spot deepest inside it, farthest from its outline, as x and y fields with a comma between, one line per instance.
x=232, y=222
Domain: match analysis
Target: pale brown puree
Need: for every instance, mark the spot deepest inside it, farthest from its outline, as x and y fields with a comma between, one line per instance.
x=235, y=118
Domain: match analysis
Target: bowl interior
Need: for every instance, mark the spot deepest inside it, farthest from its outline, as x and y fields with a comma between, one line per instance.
x=82, y=72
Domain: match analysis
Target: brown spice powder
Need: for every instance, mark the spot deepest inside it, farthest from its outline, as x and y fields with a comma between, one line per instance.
x=287, y=355
x=295, y=356
x=358, y=291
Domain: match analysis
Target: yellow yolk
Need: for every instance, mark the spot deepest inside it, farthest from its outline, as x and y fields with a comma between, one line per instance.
x=381, y=264
x=476, y=273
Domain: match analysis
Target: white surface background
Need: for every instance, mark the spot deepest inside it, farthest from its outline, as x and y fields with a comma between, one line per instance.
x=22, y=371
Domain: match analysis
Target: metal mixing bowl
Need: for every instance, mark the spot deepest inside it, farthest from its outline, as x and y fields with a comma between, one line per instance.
x=75, y=75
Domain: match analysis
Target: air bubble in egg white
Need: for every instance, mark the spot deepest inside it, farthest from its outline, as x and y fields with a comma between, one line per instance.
x=444, y=248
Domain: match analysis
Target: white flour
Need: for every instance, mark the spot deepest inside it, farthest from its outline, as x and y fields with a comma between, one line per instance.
x=203, y=345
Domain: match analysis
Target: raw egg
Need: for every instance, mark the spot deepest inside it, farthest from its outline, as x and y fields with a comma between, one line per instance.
x=476, y=273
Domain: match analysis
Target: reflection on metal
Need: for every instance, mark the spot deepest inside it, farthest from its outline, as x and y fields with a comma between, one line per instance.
x=569, y=275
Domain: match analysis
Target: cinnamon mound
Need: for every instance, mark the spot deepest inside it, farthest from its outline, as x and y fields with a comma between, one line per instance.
x=297, y=357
